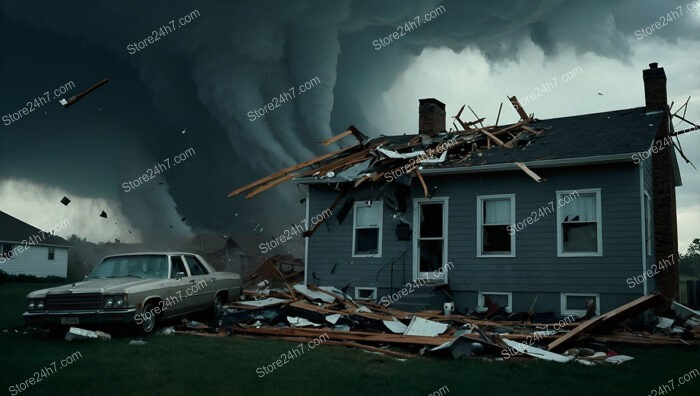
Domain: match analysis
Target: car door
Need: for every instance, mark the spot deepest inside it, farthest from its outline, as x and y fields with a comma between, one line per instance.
x=175, y=302
x=201, y=286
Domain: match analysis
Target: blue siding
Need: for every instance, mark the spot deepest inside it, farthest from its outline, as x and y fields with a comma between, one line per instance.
x=536, y=267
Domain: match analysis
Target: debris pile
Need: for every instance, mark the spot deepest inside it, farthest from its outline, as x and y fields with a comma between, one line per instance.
x=305, y=312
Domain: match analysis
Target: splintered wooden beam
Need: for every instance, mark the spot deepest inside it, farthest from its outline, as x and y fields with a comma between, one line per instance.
x=269, y=185
x=530, y=130
x=521, y=112
x=289, y=169
x=529, y=172
x=336, y=138
x=422, y=182
x=335, y=203
x=494, y=138
x=498, y=117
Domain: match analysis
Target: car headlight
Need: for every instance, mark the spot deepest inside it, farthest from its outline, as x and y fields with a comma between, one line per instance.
x=32, y=305
x=40, y=304
x=118, y=301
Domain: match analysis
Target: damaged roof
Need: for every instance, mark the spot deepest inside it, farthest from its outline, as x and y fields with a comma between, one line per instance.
x=582, y=139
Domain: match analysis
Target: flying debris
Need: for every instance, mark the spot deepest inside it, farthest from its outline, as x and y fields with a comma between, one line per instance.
x=184, y=218
x=103, y=214
x=79, y=96
x=183, y=131
x=600, y=94
x=65, y=201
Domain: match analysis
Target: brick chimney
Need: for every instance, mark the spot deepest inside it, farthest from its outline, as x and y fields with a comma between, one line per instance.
x=431, y=116
x=655, y=88
x=665, y=224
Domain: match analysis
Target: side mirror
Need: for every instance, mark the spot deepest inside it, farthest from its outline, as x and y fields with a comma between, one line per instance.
x=179, y=275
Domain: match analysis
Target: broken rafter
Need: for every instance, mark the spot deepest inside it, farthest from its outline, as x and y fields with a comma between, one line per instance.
x=519, y=108
x=422, y=182
x=287, y=170
x=336, y=138
x=493, y=137
x=529, y=172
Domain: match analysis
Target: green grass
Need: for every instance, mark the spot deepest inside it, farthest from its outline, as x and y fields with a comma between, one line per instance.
x=192, y=365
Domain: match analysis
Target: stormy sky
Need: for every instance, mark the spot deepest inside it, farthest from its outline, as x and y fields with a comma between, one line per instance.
x=196, y=86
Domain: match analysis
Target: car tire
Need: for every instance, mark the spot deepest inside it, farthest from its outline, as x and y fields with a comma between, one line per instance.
x=218, y=308
x=148, y=325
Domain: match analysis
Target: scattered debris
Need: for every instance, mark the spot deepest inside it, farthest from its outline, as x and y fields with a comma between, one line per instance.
x=138, y=342
x=78, y=334
x=66, y=103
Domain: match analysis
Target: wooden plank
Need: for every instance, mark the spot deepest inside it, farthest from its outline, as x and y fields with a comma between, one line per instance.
x=529, y=172
x=353, y=344
x=519, y=108
x=336, y=137
x=494, y=138
x=268, y=186
x=290, y=169
x=530, y=130
x=613, y=317
x=422, y=183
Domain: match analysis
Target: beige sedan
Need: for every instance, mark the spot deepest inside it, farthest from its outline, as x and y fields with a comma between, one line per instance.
x=136, y=288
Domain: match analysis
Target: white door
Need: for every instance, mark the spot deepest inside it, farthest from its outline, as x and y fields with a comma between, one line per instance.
x=430, y=239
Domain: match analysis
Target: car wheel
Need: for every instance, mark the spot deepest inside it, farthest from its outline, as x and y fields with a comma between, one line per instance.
x=150, y=320
x=218, y=308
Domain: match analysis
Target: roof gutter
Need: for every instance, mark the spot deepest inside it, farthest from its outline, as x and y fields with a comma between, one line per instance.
x=553, y=163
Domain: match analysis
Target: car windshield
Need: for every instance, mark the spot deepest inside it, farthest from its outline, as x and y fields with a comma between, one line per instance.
x=146, y=266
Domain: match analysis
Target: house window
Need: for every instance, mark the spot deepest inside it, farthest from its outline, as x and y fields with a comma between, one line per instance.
x=366, y=293
x=579, y=228
x=579, y=303
x=52, y=253
x=495, y=213
x=504, y=299
x=647, y=218
x=7, y=250
x=367, y=229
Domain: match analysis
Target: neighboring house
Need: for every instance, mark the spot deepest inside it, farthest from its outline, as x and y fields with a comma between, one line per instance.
x=386, y=233
x=29, y=251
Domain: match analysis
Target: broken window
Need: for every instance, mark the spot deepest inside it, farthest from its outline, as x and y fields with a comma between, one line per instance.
x=366, y=293
x=577, y=303
x=495, y=216
x=503, y=299
x=580, y=224
x=367, y=229
x=431, y=241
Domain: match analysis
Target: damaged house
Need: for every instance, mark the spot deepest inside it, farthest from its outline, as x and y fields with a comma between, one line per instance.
x=548, y=215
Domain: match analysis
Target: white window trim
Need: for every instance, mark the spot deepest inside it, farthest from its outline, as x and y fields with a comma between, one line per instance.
x=565, y=311
x=481, y=307
x=416, y=232
x=381, y=226
x=357, y=293
x=480, y=224
x=599, y=221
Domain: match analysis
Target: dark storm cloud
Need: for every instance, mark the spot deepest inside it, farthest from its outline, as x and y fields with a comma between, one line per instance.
x=234, y=58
